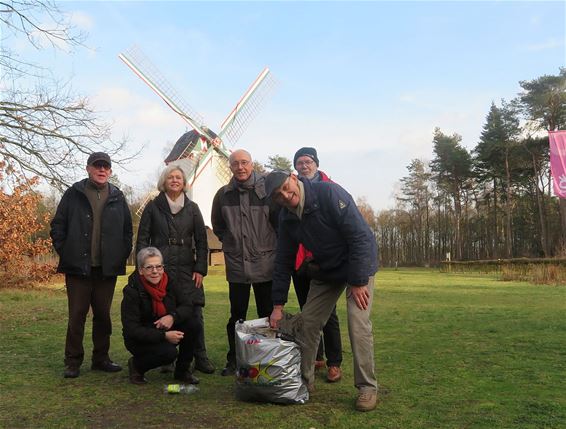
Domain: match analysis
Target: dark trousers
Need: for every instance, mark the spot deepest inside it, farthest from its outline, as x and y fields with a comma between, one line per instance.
x=152, y=355
x=94, y=292
x=200, y=346
x=331, y=340
x=239, y=301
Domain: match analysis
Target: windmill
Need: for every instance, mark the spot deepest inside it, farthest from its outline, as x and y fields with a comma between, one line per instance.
x=201, y=153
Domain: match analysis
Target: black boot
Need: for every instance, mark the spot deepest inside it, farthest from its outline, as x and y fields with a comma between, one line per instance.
x=186, y=377
x=229, y=369
x=204, y=365
x=135, y=376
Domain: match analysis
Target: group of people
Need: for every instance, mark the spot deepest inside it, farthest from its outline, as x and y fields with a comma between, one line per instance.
x=273, y=228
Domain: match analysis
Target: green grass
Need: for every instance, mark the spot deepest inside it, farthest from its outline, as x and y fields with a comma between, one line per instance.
x=452, y=351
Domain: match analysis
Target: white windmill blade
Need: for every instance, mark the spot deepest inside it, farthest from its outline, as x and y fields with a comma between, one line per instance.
x=140, y=64
x=248, y=107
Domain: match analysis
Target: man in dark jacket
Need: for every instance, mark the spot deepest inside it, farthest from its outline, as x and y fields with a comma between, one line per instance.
x=245, y=222
x=92, y=233
x=306, y=163
x=324, y=217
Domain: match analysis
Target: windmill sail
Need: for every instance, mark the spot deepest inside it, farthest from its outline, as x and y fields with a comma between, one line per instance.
x=136, y=60
x=248, y=107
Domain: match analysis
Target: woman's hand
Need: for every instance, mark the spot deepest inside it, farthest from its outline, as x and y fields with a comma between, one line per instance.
x=174, y=337
x=197, y=278
x=164, y=322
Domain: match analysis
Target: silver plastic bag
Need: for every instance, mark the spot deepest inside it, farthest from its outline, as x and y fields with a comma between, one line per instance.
x=268, y=367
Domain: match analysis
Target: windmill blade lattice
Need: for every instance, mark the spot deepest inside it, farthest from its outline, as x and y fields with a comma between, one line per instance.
x=248, y=107
x=150, y=74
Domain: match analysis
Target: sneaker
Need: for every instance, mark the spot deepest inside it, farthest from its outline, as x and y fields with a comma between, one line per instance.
x=71, y=372
x=229, y=369
x=134, y=375
x=204, y=365
x=367, y=400
x=106, y=366
x=334, y=374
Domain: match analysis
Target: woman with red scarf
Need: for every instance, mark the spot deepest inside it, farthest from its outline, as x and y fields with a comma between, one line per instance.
x=157, y=316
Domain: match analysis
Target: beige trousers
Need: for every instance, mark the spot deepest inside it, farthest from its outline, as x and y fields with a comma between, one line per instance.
x=321, y=300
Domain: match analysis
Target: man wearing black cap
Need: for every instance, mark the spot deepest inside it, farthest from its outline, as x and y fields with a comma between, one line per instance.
x=324, y=217
x=306, y=163
x=92, y=233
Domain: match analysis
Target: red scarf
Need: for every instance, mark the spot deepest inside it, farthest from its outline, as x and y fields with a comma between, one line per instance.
x=157, y=293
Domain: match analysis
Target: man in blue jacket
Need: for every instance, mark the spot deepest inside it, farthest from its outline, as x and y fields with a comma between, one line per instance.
x=324, y=218
x=92, y=233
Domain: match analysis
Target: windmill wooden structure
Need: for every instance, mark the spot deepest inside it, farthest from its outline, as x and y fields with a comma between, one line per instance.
x=201, y=153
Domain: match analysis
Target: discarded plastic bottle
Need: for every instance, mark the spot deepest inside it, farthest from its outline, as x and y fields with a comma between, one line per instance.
x=180, y=388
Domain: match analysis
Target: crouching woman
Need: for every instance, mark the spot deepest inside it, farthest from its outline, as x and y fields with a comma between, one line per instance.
x=157, y=316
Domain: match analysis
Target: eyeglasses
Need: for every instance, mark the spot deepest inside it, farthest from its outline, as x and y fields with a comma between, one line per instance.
x=306, y=163
x=236, y=164
x=154, y=267
x=99, y=165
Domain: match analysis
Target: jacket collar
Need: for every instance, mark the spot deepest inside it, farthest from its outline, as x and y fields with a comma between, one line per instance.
x=163, y=205
x=113, y=191
x=258, y=187
x=311, y=199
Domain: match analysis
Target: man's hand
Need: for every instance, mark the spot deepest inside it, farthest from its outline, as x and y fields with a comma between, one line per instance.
x=276, y=316
x=197, y=278
x=164, y=322
x=174, y=337
x=360, y=295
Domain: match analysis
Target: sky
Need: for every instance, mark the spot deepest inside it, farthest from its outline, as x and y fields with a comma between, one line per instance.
x=365, y=83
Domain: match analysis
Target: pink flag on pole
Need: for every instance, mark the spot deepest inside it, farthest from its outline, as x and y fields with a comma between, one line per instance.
x=558, y=161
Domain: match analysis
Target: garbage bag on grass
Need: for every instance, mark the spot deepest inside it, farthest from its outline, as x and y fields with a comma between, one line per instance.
x=268, y=366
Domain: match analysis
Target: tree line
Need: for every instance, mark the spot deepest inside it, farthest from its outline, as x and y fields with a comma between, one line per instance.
x=492, y=202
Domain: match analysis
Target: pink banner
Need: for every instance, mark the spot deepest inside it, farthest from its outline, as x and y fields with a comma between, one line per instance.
x=558, y=161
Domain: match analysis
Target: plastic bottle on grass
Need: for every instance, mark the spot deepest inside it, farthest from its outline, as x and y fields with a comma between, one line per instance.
x=187, y=389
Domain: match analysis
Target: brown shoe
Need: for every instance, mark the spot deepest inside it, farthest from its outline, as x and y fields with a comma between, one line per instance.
x=135, y=376
x=334, y=374
x=367, y=400
x=319, y=364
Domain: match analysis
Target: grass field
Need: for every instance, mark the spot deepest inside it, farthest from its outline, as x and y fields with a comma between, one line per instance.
x=452, y=351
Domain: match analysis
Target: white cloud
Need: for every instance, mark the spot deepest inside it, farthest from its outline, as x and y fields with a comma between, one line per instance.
x=81, y=20
x=548, y=44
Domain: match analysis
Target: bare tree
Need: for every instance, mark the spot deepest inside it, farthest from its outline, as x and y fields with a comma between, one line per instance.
x=45, y=129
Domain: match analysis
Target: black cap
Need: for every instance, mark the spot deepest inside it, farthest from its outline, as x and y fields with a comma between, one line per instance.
x=274, y=180
x=99, y=156
x=306, y=151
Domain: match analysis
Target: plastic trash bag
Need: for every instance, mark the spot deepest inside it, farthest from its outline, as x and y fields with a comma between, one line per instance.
x=268, y=366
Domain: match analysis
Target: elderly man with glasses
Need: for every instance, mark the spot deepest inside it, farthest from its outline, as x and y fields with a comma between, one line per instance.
x=324, y=217
x=92, y=233
x=245, y=221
